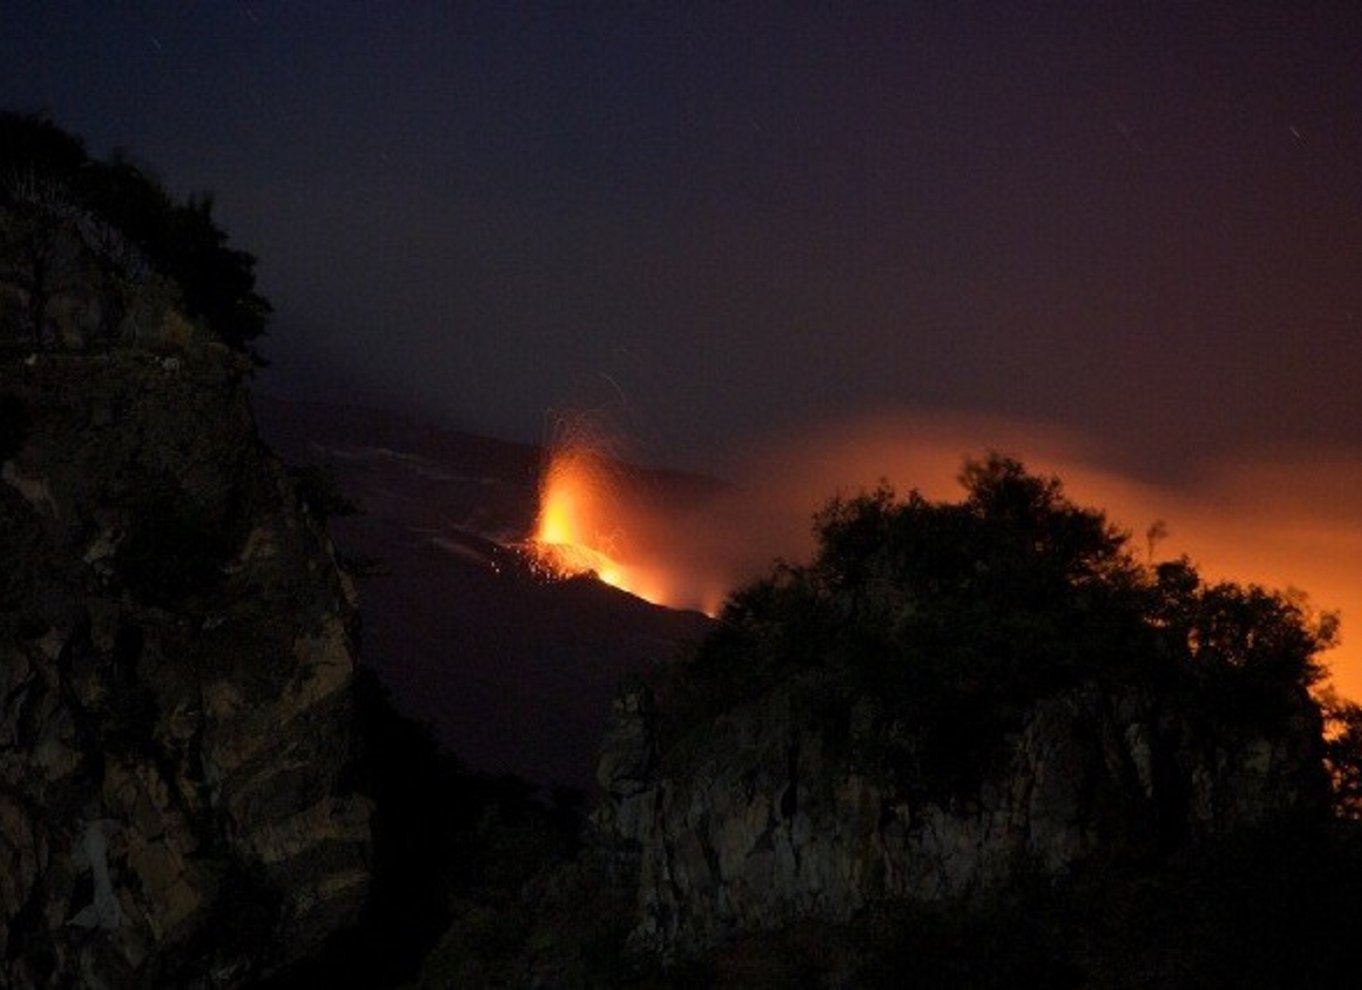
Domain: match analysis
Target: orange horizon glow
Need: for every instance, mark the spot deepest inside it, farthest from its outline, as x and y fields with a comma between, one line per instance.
x=1284, y=520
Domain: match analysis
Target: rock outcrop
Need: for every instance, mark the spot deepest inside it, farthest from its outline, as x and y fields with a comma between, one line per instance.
x=176, y=653
x=762, y=817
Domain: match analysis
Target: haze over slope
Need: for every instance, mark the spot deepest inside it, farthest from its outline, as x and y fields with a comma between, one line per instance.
x=514, y=673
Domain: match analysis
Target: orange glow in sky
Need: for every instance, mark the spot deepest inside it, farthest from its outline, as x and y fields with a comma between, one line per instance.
x=1280, y=519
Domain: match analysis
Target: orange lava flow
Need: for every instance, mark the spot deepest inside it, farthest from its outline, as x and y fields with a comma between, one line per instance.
x=574, y=534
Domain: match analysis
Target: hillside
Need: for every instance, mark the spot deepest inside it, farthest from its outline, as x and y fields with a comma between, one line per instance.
x=972, y=743
x=512, y=673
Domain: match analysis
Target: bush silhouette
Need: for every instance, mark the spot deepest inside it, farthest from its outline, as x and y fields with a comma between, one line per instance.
x=126, y=224
x=954, y=618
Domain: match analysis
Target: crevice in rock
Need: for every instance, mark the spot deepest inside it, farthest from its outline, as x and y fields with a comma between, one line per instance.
x=789, y=797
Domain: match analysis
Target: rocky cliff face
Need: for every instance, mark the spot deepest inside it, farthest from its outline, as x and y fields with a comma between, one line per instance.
x=762, y=817
x=176, y=652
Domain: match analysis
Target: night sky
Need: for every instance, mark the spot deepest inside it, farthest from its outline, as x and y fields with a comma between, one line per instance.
x=797, y=245
x=1137, y=220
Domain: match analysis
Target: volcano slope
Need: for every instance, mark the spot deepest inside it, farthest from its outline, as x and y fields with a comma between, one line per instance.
x=513, y=672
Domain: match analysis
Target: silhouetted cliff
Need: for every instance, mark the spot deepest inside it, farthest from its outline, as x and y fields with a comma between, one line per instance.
x=769, y=818
x=978, y=710
x=176, y=656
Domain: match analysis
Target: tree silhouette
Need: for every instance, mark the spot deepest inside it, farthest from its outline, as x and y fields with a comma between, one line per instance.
x=1343, y=755
x=956, y=617
x=126, y=222
x=41, y=251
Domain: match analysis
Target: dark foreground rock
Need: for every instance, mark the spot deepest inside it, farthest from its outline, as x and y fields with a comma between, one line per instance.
x=176, y=655
x=763, y=818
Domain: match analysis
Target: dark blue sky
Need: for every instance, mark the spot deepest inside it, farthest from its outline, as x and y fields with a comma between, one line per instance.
x=1140, y=220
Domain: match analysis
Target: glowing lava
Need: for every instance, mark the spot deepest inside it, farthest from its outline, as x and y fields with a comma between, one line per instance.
x=595, y=518
x=573, y=534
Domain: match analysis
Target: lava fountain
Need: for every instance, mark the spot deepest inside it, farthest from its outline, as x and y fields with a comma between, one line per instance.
x=572, y=534
x=600, y=517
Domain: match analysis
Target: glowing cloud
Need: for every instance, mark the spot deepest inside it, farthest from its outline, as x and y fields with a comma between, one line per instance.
x=1279, y=519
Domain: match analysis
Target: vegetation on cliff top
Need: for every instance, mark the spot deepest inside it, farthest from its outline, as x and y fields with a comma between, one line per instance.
x=955, y=618
x=84, y=241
